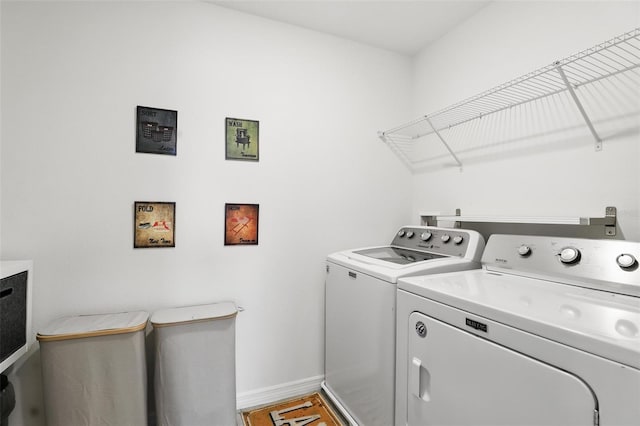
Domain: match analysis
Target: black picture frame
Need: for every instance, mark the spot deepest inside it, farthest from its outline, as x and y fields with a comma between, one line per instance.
x=242, y=139
x=154, y=224
x=156, y=130
x=241, y=224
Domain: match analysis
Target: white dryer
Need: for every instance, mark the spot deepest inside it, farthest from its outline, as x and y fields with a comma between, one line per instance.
x=360, y=316
x=546, y=333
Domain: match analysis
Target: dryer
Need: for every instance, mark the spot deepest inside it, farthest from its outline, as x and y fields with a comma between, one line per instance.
x=360, y=316
x=546, y=333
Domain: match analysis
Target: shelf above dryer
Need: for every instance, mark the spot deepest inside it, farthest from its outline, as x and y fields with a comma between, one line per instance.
x=617, y=57
x=601, y=227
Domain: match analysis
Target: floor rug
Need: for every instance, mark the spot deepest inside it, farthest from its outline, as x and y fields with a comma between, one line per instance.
x=311, y=410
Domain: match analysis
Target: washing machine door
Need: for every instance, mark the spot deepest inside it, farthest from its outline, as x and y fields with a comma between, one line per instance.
x=458, y=378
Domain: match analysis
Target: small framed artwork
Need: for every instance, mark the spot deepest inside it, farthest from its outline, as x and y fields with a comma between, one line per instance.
x=156, y=131
x=154, y=224
x=242, y=139
x=241, y=224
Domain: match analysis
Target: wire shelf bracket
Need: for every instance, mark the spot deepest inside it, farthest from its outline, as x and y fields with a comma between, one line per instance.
x=437, y=133
x=598, y=145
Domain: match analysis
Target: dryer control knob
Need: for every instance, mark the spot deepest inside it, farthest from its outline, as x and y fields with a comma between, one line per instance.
x=524, y=250
x=569, y=255
x=426, y=236
x=626, y=261
x=445, y=238
x=401, y=233
x=410, y=234
x=458, y=239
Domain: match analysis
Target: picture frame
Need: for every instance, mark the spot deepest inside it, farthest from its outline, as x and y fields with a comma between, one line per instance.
x=154, y=224
x=156, y=130
x=241, y=224
x=242, y=139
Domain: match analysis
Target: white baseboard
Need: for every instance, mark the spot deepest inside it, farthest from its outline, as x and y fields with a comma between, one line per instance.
x=255, y=398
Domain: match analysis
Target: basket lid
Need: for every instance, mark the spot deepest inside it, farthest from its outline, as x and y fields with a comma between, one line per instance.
x=189, y=314
x=80, y=326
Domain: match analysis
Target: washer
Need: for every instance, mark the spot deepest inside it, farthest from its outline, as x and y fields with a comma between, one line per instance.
x=546, y=333
x=360, y=313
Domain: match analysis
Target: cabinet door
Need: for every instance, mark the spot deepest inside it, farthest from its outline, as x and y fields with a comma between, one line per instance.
x=458, y=378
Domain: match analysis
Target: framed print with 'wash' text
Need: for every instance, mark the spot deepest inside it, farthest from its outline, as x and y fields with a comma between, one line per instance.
x=242, y=139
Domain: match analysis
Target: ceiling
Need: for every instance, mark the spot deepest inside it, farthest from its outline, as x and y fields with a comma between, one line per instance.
x=401, y=26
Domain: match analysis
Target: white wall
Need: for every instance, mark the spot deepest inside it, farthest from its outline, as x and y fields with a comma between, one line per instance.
x=552, y=175
x=72, y=75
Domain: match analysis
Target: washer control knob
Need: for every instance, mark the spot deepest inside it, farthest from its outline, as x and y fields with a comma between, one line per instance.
x=426, y=236
x=445, y=238
x=569, y=255
x=410, y=234
x=401, y=233
x=626, y=261
x=524, y=250
x=458, y=239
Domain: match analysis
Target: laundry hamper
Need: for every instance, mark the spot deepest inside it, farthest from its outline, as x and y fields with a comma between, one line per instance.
x=195, y=378
x=94, y=370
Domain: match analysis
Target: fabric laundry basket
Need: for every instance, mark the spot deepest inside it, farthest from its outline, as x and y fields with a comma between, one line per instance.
x=195, y=377
x=94, y=370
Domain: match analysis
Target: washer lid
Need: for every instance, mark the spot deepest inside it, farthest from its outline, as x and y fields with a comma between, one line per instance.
x=77, y=327
x=599, y=322
x=190, y=314
x=397, y=255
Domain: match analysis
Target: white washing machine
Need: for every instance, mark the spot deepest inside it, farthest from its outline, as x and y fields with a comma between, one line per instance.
x=360, y=316
x=546, y=333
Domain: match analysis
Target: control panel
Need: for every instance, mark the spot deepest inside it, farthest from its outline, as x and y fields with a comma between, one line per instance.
x=612, y=264
x=450, y=242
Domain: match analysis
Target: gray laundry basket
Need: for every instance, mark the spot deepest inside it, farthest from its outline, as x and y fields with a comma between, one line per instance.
x=195, y=375
x=94, y=370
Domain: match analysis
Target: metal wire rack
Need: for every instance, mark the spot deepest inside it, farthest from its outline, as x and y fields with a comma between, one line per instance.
x=615, y=57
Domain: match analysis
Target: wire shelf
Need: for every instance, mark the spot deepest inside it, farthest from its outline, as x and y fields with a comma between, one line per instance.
x=615, y=57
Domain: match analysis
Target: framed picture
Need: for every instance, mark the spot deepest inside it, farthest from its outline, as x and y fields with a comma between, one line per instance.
x=242, y=139
x=154, y=224
x=156, y=130
x=241, y=224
